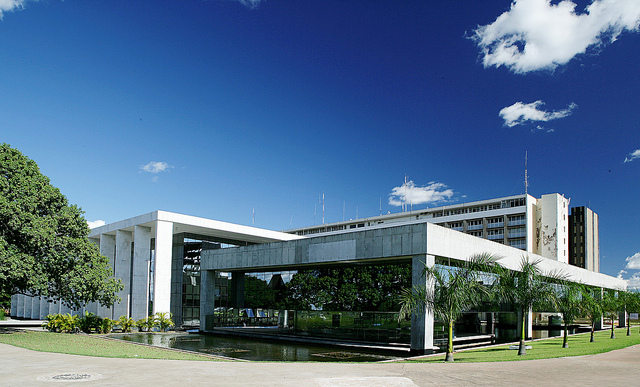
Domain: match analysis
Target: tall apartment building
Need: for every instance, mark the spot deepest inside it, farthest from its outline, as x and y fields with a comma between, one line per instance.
x=584, y=239
x=539, y=226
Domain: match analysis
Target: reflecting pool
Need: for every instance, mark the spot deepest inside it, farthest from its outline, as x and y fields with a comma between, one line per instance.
x=250, y=348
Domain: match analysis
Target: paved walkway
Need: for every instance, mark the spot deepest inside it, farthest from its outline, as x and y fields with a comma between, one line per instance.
x=22, y=367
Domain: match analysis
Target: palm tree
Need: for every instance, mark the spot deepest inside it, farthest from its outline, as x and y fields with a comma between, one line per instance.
x=611, y=306
x=455, y=291
x=568, y=301
x=628, y=301
x=592, y=308
x=525, y=289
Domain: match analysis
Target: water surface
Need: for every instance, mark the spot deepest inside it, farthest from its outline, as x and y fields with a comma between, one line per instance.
x=251, y=349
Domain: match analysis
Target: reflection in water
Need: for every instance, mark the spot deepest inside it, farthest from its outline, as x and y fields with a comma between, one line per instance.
x=249, y=349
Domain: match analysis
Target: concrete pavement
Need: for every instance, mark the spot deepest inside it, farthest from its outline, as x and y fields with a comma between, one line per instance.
x=22, y=367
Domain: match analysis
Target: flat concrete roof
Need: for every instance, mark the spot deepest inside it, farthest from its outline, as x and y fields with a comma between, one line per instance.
x=214, y=229
x=387, y=242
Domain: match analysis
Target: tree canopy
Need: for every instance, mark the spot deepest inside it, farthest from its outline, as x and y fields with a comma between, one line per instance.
x=370, y=288
x=44, y=249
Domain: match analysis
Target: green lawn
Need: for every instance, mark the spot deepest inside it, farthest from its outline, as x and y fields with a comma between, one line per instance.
x=88, y=345
x=548, y=348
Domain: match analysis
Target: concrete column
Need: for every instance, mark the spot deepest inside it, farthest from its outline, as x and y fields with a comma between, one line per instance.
x=162, y=280
x=35, y=308
x=236, y=289
x=207, y=299
x=20, y=306
x=54, y=307
x=622, y=319
x=123, y=271
x=64, y=308
x=422, y=321
x=44, y=308
x=140, y=280
x=177, y=263
x=28, y=305
x=108, y=249
x=14, y=305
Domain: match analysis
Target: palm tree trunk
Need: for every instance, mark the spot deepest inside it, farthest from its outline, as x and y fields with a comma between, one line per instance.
x=593, y=328
x=522, y=350
x=613, y=334
x=450, y=343
x=565, y=341
x=626, y=318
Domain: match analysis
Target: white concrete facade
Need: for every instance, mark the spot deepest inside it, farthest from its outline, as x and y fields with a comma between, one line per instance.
x=129, y=244
x=538, y=226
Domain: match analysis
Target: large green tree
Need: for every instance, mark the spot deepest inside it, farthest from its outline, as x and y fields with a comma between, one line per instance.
x=455, y=290
x=44, y=248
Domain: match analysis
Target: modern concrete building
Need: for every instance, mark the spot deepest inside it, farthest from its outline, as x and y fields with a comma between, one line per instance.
x=416, y=242
x=152, y=254
x=538, y=226
x=584, y=241
x=187, y=265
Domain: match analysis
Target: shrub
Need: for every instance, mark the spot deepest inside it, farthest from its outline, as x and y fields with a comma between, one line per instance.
x=64, y=323
x=146, y=324
x=163, y=321
x=126, y=323
x=89, y=323
x=106, y=325
x=2, y=314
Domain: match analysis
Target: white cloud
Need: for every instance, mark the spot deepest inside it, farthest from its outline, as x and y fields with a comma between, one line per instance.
x=634, y=282
x=537, y=35
x=11, y=5
x=253, y=4
x=155, y=167
x=95, y=223
x=409, y=194
x=632, y=156
x=633, y=262
x=519, y=113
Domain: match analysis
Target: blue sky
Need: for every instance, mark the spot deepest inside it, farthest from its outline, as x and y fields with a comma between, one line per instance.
x=219, y=108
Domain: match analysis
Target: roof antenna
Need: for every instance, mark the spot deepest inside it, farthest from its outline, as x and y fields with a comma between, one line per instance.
x=526, y=173
x=253, y=222
x=404, y=199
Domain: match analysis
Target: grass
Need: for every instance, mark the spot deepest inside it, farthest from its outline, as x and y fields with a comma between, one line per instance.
x=88, y=345
x=549, y=348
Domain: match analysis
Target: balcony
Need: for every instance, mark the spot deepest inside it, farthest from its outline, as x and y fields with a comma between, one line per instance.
x=518, y=222
x=517, y=233
x=496, y=236
x=495, y=225
x=474, y=227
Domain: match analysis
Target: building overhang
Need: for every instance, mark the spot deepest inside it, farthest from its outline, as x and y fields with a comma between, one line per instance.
x=206, y=229
x=387, y=242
